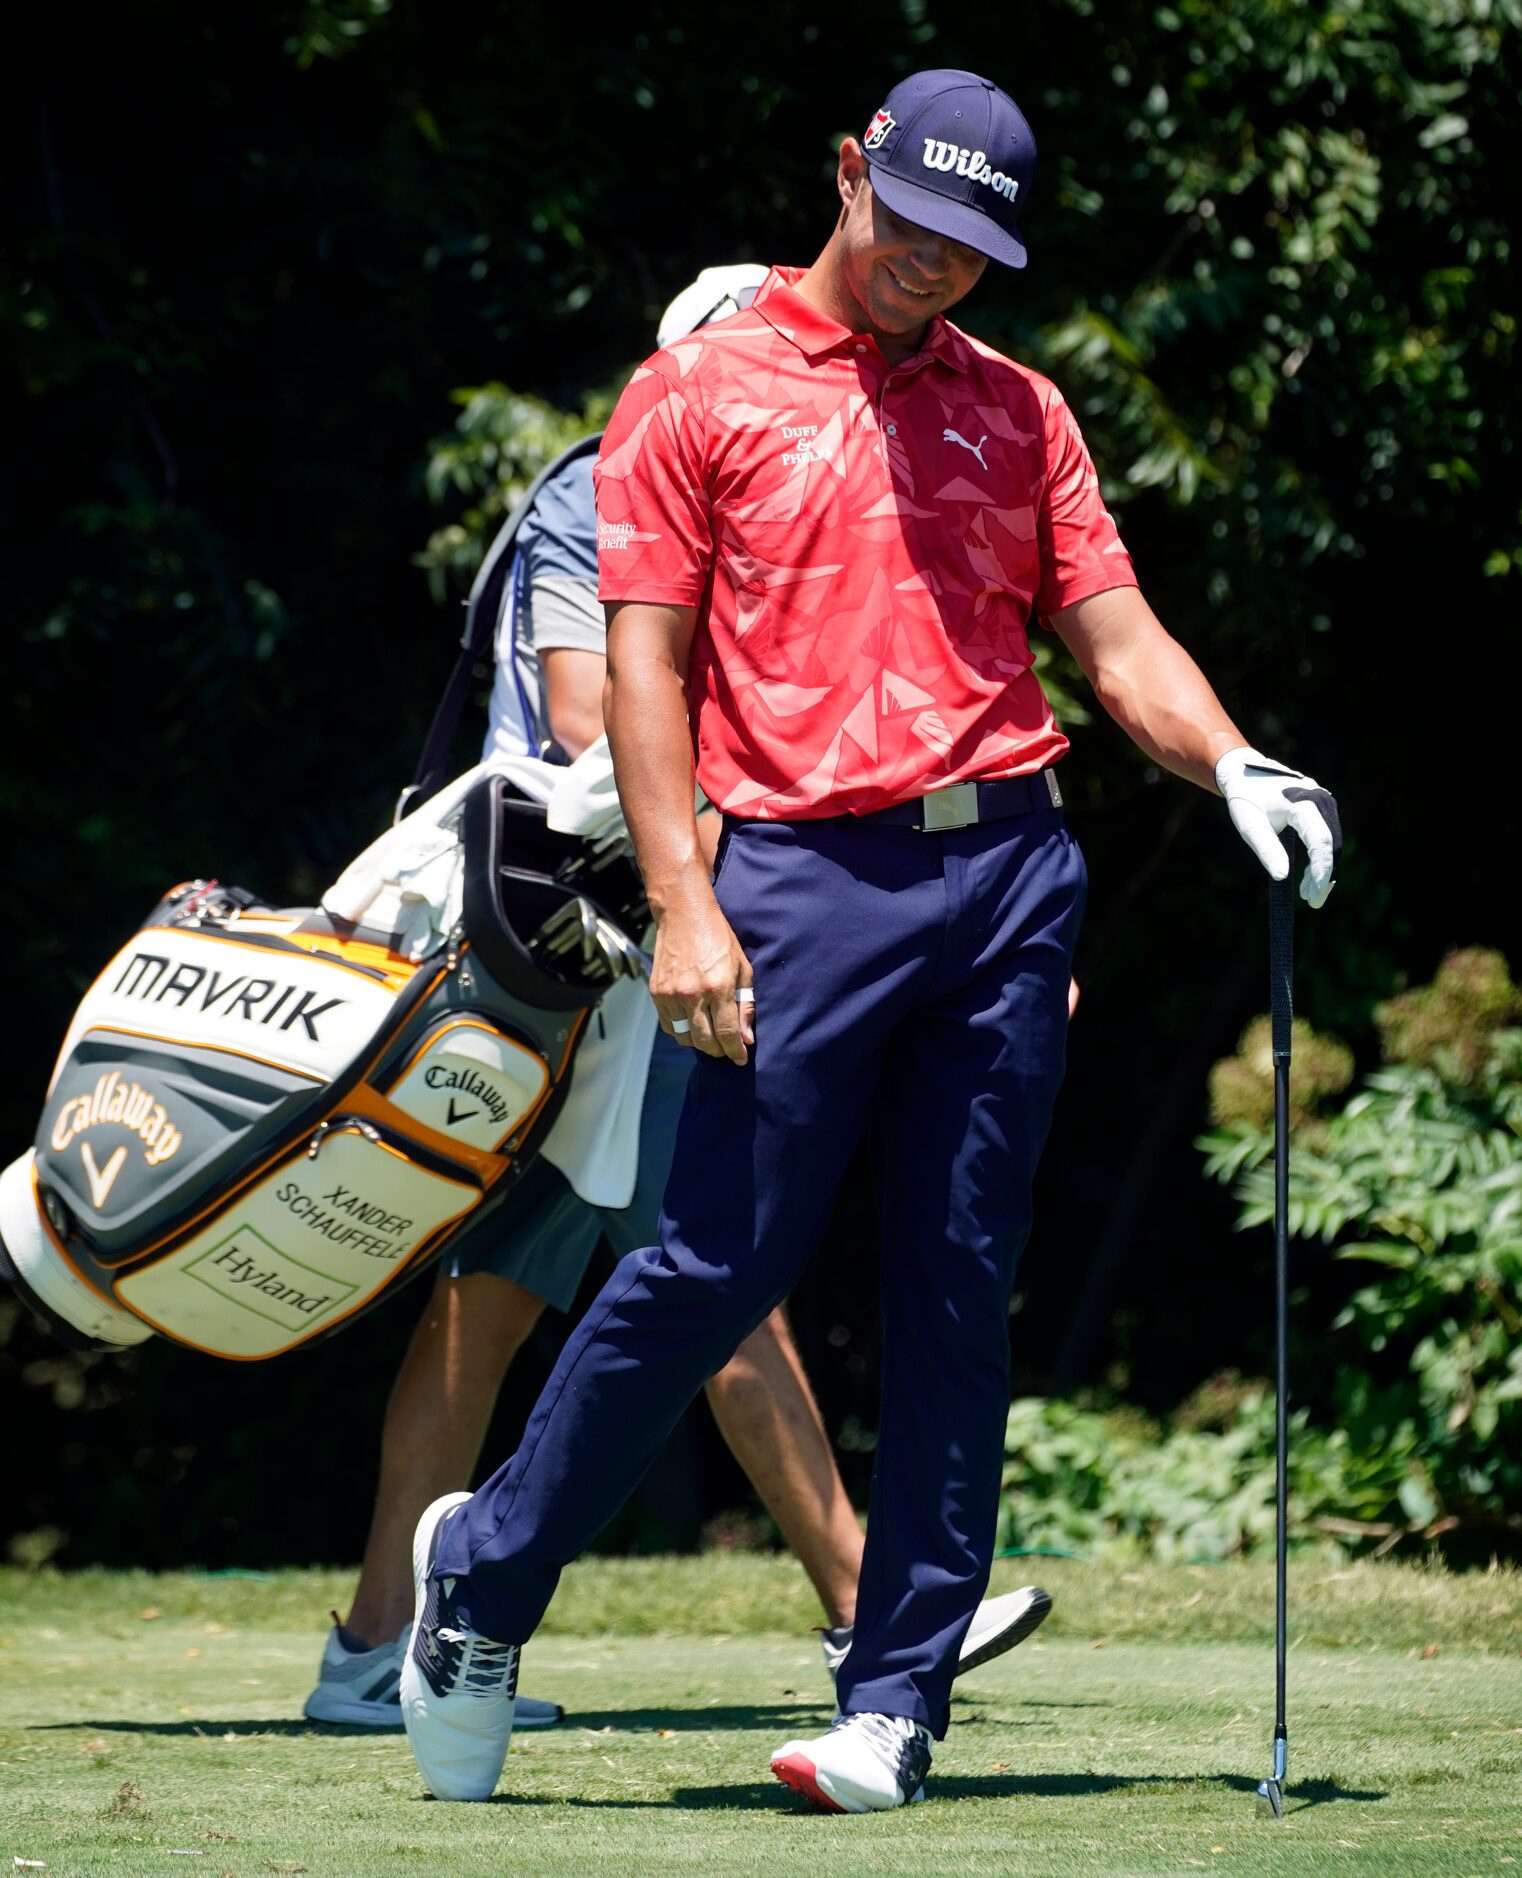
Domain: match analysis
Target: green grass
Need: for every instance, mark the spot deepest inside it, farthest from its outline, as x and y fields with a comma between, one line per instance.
x=142, y=1717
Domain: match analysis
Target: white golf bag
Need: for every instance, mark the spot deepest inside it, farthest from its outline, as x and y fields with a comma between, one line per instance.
x=263, y=1119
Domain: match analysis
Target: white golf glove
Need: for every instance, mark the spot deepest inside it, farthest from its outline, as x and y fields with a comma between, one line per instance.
x=1264, y=798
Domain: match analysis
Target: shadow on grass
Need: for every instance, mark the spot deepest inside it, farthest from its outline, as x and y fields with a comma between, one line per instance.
x=976, y=1695
x=1074, y=1786
x=212, y=1729
x=803, y=1713
x=781, y=1717
x=754, y=1796
x=772, y=1797
x=1301, y=1797
x=1318, y=1793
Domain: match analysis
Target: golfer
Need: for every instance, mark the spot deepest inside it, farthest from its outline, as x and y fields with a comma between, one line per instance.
x=492, y=1289
x=547, y=692
x=827, y=527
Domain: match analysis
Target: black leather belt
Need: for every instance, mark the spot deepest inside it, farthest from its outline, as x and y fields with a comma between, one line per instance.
x=966, y=803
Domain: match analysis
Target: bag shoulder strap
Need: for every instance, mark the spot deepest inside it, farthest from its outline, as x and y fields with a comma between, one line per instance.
x=481, y=613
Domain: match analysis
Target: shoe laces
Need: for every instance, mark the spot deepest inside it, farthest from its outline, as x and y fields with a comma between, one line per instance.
x=890, y=1732
x=903, y=1744
x=482, y=1666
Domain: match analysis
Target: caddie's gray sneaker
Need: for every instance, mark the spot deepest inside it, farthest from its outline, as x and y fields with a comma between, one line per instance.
x=458, y=1686
x=865, y=1764
x=362, y=1688
x=358, y=1688
x=998, y=1624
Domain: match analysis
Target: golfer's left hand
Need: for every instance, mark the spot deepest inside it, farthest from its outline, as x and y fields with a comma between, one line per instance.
x=1264, y=798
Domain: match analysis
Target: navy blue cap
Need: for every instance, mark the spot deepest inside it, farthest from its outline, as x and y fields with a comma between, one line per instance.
x=951, y=152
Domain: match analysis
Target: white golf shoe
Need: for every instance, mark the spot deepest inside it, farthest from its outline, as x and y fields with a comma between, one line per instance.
x=457, y=1686
x=362, y=1688
x=998, y=1624
x=865, y=1764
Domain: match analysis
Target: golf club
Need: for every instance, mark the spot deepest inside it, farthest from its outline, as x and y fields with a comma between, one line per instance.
x=1281, y=932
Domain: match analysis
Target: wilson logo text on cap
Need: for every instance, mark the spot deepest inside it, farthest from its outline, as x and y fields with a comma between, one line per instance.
x=969, y=163
x=950, y=152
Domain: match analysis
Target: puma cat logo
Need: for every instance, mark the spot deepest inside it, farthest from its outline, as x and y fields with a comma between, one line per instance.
x=955, y=436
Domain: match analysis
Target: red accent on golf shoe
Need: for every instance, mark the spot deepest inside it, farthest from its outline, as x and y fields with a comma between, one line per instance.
x=799, y=1772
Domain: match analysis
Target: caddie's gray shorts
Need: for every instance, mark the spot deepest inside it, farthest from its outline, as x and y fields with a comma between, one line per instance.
x=544, y=1234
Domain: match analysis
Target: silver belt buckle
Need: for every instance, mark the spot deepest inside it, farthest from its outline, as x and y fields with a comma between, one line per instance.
x=956, y=807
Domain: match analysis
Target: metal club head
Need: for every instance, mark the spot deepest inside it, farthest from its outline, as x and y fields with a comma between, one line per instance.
x=610, y=947
x=1271, y=1791
x=588, y=916
x=625, y=959
x=606, y=952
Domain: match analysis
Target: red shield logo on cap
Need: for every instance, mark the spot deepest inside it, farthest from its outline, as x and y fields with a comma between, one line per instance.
x=877, y=130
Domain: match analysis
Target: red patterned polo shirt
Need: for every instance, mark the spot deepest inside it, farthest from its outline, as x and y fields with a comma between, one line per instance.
x=866, y=546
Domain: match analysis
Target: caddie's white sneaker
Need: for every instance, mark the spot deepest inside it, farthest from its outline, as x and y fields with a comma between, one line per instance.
x=865, y=1764
x=997, y=1625
x=362, y=1688
x=457, y=1686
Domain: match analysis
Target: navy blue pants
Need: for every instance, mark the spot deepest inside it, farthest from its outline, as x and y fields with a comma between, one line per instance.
x=910, y=986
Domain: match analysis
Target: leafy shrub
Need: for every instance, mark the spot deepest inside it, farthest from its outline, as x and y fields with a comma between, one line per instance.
x=1451, y=1025
x=1418, y=1174
x=1116, y=1484
x=1242, y=1086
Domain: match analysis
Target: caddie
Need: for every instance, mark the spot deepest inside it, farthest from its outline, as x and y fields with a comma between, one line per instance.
x=828, y=527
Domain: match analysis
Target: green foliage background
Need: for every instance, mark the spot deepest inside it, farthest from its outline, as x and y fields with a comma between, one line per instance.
x=253, y=253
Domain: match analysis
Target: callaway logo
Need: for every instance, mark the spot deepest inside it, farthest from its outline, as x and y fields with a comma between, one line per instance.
x=969, y=163
x=469, y=1082
x=123, y=1105
x=101, y=1179
x=955, y=436
x=877, y=130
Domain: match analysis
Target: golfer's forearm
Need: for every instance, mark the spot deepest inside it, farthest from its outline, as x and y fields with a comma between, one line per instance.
x=645, y=708
x=1151, y=686
x=1166, y=706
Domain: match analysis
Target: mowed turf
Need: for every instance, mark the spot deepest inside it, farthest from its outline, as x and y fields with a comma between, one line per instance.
x=153, y=1725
